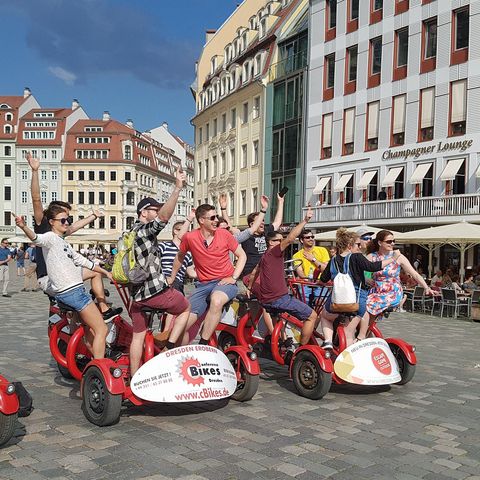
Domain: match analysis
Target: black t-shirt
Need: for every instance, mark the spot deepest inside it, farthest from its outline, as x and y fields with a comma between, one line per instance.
x=358, y=265
x=44, y=227
x=255, y=247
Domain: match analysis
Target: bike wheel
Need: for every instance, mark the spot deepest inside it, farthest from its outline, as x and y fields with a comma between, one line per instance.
x=406, y=369
x=226, y=340
x=247, y=384
x=99, y=406
x=7, y=427
x=308, y=377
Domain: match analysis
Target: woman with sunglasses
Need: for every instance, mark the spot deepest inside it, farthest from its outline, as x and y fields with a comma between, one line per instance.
x=387, y=290
x=348, y=250
x=63, y=266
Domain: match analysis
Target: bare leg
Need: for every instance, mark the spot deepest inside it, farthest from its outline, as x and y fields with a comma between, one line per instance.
x=351, y=328
x=136, y=350
x=212, y=318
x=267, y=318
x=327, y=320
x=364, y=322
x=308, y=327
x=92, y=317
x=96, y=282
x=180, y=326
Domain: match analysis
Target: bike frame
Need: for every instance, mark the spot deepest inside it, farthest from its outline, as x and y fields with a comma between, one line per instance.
x=9, y=403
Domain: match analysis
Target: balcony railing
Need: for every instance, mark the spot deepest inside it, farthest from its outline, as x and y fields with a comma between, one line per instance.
x=287, y=66
x=401, y=211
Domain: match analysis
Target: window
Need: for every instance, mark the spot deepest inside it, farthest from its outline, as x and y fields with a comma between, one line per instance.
x=231, y=203
x=223, y=163
x=113, y=176
x=7, y=218
x=215, y=125
x=243, y=202
x=429, y=45
x=398, y=120
x=255, y=153
x=400, y=58
x=427, y=114
x=43, y=154
x=7, y=151
x=199, y=136
x=352, y=18
x=458, y=108
x=207, y=132
x=113, y=222
x=255, y=199
x=54, y=174
x=245, y=113
x=24, y=174
x=224, y=123
x=101, y=223
x=54, y=154
x=351, y=69
x=460, y=33
x=401, y=6
x=81, y=175
x=91, y=198
x=233, y=118
x=331, y=19
x=101, y=198
x=70, y=197
x=244, y=156
x=24, y=197
x=70, y=175
x=43, y=174
x=101, y=176
x=348, y=192
x=329, y=77
x=199, y=172
x=348, y=131
x=7, y=193
x=43, y=197
x=376, y=10
x=459, y=181
x=7, y=170
x=113, y=198
x=206, y=170
x=53, y=196
x=327, y=126
x=214, y=166
x=81, y=198
x=375, y=62
x=127, y=152
x=8, y=117
x=232, y=159
x=373, y=111
x=127, y=176
x=91, y=175
x=256, y=107
x=130, y=198
x=7, y=129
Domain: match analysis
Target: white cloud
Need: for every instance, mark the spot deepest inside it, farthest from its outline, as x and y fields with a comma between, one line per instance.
x=59, y=72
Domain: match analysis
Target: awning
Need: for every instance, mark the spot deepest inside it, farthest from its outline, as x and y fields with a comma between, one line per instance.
x=420, y=172
x=341, y=184
x=322, y=183
x=391, y=176
x=366, y=179
x=451, y=169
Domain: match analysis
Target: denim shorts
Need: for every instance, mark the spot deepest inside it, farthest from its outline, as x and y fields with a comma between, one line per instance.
x=362, y=302
x=290, y=305
x=203, y=290
x=77, y=298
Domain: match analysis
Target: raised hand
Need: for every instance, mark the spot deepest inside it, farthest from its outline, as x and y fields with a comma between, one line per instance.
x=309, y=214
x=264, y=201
x=33, y=162
x=180, y=178
x=98, y=213
x=191, y=215
x=222, y=200
x=19, y=221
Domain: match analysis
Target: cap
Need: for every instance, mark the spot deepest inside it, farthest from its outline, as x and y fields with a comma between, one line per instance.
x=147, y=202
x=362, y=232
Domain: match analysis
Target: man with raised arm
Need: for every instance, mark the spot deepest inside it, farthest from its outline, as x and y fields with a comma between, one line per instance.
x=41, y=225
x=273, y=290
x=217, y=277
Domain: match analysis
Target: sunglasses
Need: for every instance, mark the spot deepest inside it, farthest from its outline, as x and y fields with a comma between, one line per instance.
x=63, y=221
x=366, y=239
x=307, y=237
x=390, y=242
x=212, y=218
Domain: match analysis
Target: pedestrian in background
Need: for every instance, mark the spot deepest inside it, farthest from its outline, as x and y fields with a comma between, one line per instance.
x=30, y=281
x=5, y=257
x=20, y=258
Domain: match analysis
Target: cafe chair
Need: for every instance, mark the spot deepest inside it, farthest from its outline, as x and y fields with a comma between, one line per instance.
x=450, y=300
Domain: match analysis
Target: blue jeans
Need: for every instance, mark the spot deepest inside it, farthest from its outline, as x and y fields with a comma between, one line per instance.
x=77, y=298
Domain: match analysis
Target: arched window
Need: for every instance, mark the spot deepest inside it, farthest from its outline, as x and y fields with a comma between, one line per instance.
x=128, y=152
x=8, y=117
x=7, y=129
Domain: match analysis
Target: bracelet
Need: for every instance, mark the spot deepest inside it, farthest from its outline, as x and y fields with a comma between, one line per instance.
x=222, y=208
x=95, y=215
x=263, y=211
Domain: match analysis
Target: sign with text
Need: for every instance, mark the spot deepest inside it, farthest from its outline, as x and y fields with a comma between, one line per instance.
x=192, y=373
x=368, y=362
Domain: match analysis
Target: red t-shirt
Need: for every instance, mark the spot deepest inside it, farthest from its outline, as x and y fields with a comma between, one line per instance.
x=212, y=262
x=272, y=275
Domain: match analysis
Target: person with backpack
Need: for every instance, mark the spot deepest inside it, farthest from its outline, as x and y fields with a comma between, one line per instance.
x=30, y=279
x=347, y=270
x=151, y=288
x=20, y=258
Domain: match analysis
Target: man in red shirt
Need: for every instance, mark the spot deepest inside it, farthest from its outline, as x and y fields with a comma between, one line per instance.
x=273, y=290
x=217, y=277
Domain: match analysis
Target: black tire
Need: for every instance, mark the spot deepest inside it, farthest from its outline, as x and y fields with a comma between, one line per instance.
x=99, y=406
x=309, y=379
x=226, y=340
x=247, y=385
x=7, y=427
x=64, y=372
x=406, y=369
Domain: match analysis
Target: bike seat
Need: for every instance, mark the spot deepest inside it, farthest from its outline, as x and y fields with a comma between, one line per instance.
x=153, y=310
x=64, y=307
x=242, y=298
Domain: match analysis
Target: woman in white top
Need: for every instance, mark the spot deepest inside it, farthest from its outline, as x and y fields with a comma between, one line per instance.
x=65, y=273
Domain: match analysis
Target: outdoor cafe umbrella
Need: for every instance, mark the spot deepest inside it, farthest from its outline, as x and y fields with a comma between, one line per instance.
x=19, y=240
x=331, y=235
x=461, y=235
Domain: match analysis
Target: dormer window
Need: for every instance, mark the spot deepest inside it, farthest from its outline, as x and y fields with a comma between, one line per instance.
x=8, y=117
x=244, y=40
x=213, y=65
x=7, y=129
x=263, y=28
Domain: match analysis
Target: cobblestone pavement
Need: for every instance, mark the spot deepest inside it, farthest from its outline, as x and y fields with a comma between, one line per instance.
x=428, y=429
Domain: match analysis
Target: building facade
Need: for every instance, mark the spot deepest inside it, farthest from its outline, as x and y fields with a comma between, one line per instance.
x=394, y=91
x=12, y=108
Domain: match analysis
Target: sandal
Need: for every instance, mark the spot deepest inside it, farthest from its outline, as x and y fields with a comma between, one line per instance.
x=358, y=339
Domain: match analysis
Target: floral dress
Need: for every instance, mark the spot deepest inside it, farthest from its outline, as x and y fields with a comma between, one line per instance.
x=388, y=291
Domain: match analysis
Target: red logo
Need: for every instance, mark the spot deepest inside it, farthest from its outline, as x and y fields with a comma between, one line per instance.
x=381, y=361
x=189, y=370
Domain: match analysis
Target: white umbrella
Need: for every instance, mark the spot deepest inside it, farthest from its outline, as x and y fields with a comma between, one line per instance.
x=331, y=235
x=462, y=236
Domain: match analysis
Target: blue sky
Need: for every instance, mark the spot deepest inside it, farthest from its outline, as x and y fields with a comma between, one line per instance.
x=134, y=58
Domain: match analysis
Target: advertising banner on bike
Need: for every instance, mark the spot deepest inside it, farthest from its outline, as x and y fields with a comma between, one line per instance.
x=368, y=362
x=192, y=373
